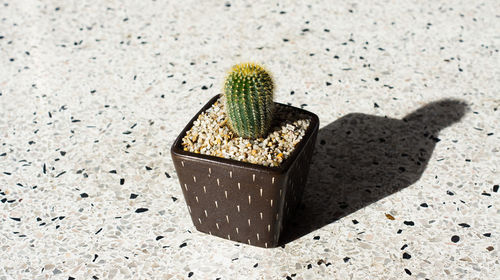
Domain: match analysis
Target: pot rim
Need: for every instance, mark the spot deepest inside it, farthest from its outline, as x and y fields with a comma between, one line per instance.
x=177, y=150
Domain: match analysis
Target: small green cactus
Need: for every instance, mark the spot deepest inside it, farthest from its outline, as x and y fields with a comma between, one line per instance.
x=249, y=104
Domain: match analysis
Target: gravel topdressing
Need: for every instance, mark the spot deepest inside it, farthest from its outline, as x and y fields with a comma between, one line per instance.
x=210, y=135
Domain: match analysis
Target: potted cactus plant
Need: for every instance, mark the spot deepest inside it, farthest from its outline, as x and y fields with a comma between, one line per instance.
x=243, y=160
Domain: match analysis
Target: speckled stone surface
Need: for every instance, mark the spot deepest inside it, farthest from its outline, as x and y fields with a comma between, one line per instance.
x=404, y=180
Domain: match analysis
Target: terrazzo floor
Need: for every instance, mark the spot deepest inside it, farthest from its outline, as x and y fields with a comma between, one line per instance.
x=403, y=183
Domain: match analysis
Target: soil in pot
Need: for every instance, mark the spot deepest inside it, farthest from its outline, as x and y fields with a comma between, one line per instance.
x=210, y=135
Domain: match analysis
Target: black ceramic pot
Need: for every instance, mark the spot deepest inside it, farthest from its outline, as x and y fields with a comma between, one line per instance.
x=240, y=201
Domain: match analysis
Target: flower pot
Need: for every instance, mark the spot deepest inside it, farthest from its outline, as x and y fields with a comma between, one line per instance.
x=240, y=201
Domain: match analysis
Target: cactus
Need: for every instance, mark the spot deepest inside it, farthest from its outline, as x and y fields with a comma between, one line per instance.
x=249, y=104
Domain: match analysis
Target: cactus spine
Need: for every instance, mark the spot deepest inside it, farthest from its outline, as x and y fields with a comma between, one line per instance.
x=249, y=104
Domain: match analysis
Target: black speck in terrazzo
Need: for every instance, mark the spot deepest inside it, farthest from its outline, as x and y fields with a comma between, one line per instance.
x=450, y=193
x=488, y=234
x=406, y=256
x=190, y=274
x=84, y=195
x=183, y=245
x=127, y=132
x=167, y=175
x=133, y=196
x=174, y=199
x=455, y=238
x=256, y=264
x=495, y=188
x=375, y=105
x=424, y=205
x=95, y=277
x=328, y=84
x=63, y=153
x=355, y=222
x=204, y=87
x=326, y=30
x=95, y=257
x=346, y=259
x=343, y=205
x=122, y=181
x=464, y=225
x=407, y=271
x=16, y=219
x=148, y=168
x=316, y=237
x=285, y=40
x=404, y=246
x=159, y=237
x=112, y=171
x=97, y=232
x=71, y=278
x=409, y=223
x=60, y=174
x=485, y=194
x=141, y=210
x=289, y=278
